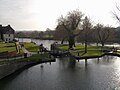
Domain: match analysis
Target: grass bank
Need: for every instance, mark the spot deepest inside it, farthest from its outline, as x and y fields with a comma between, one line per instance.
x=10, y=47
x=79, y=50
x=79, y=47
x=34, y=57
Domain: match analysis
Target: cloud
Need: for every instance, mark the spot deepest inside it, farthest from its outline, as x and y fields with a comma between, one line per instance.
x=42, y=14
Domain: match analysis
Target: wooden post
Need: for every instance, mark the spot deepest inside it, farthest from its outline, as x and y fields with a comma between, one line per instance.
x=49, y=56
x=85, y=62
x=98, y=60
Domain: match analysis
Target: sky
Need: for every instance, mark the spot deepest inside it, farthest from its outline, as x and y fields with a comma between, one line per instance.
x=43, y=14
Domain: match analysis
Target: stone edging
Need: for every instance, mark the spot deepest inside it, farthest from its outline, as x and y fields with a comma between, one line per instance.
x=9, y=68
x=89, y=57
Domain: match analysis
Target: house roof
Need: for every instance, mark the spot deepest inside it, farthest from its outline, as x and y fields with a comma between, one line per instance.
x=6, y=29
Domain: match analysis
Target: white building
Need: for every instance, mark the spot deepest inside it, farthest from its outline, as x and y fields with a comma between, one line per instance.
x=6, y=33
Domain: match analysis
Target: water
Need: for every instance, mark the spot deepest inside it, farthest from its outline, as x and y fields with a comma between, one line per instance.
x=46, y=43
x=67, y=74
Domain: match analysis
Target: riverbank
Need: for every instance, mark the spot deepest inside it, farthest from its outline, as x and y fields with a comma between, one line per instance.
x=8, y=67
x=95, y=56
x=92, y=51
x=11, y=62
x=8, y=50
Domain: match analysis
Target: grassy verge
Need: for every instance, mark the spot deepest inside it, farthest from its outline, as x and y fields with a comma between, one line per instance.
x=33, y=57
x=79, y=46
x=91, y=50
x=31, y=47
x=10, y=47
x=89, y=53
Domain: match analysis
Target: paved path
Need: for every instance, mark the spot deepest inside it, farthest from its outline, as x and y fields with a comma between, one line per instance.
x=26, y=51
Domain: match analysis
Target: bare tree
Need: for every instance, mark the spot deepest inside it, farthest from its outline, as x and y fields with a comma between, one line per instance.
x=103, y=33
x=71, y=23
x=60, y=33
x=87, y=26
x=116, y=13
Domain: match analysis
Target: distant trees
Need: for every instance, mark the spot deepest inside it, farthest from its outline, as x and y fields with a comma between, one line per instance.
x=117, y=34
x=20, y=34
x=48, y=34
x=116, y=14
x=74, y=25
x=35, y=34
x=103, y=33
x=71, y=23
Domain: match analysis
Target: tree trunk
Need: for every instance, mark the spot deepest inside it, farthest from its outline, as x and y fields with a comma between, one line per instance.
x=62, y=40
x=71, y=41
x=16, y=47
x=86, y=46
x=96, y=43
x=74, y=44
x=102, y=44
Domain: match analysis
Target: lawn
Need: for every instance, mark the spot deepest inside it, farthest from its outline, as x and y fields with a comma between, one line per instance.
x=33, y=57
x=89, y=53
x=91, y=50
x=31, y=47
x=10, y=47
x=79, y=47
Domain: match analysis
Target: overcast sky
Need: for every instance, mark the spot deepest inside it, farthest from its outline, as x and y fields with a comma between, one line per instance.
x=42, y=14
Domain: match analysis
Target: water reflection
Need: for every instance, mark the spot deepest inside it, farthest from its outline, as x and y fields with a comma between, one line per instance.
x=68, y=74
x=106, y=60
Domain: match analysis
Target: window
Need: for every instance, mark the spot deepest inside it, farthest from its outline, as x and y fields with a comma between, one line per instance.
x=9, y=35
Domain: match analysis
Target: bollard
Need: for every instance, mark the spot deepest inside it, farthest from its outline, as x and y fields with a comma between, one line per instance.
x=49, y=56
x=25, y=55
x=85, y=61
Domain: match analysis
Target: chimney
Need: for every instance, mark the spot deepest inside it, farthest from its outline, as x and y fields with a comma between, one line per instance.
x=8, y=25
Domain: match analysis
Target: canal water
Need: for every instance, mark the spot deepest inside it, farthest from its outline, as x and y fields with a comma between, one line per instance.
x=67, y=74
x=46, y=43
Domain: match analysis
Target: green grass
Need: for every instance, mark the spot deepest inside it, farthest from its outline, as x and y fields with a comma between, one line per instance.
x=79, y=46
x=39, y=56
x=6, y=44
x=91, y=50
x=31, y=47
x=89, y=53
x=7, y=47
x=33, y=57
x=118, y=52
x=10, y=47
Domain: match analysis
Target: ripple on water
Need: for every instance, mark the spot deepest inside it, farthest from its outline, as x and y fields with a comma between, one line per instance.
x=68, y=74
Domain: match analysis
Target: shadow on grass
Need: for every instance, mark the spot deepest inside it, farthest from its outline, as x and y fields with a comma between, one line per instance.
x=83, y=53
